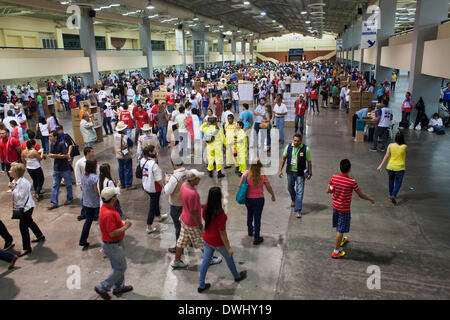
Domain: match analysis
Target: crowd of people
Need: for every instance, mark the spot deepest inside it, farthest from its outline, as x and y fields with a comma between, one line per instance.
x=187, y=119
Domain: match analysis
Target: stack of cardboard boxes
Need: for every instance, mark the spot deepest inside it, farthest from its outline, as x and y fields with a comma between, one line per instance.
x=366, y=99
x=48, y=101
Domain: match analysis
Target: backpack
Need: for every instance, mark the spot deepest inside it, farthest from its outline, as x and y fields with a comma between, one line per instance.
x=139, y=170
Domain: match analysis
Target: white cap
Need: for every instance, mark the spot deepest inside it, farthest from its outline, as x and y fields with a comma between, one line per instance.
x=194, y=173
x=108, y=193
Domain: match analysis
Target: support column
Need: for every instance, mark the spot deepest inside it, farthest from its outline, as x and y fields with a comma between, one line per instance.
x=252, y=50
x=429, y=14
x=384, y=32
x=181, y=45
x=87, y=40
x=243, y=44
x=233, y=48
x=108, y=41
x=220, y=46
x=59, y=38
x=200, y=47
x=145, y=39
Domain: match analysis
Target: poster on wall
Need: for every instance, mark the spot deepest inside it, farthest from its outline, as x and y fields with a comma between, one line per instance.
x=369, y=34
x=298, y=87
x=245, y=91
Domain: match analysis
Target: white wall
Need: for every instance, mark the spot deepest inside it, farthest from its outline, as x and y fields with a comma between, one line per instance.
x=295, y=41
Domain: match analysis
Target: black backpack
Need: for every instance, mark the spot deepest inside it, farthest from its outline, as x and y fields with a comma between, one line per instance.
x=139, y=170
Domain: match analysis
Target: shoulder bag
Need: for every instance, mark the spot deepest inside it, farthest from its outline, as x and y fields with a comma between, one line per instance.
x=18, y=212
x=75, y=148
x=139, y=170
x=242, y=192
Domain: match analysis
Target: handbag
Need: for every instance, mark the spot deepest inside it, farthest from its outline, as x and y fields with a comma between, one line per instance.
x=38, y=134
x=139, y=170
x=264, y=125
x=75, y=149
x=18, y=212
x=241, y=196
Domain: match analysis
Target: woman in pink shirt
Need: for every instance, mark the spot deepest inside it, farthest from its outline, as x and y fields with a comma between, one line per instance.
x=255, y=199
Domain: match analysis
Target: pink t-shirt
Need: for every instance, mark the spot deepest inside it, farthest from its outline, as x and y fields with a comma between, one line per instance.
x=191, y=202
x=253, y=191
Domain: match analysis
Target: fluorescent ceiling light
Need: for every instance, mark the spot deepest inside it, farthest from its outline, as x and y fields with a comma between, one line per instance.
x=304, y=12
x=246, y=3
x=221, y=26
x=150, y=6
x=154, y=16
x=307, y=22
x=206, y=25
x=65, y=2
x=195, y=19
x=263, y=13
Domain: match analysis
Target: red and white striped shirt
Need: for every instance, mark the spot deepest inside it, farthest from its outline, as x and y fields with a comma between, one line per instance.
x=343, y=187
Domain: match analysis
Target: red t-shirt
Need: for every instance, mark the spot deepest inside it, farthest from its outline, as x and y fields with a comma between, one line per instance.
x=73, y=102
x=37, y=147
x=211, y=235
x=343, y=187
x=109, y=220
x=135, y=110
x=8, y=152
x=314, y=94
x=125, y=116
x=170, y=98
x=191, y=202
x=141, y=119
x=300, y=109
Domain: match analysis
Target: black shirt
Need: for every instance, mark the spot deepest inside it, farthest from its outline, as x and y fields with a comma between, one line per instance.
x=60, y=164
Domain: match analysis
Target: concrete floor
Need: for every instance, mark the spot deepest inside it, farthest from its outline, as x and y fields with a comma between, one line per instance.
x=408, y=243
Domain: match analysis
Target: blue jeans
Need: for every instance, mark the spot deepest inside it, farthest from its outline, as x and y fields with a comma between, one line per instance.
x=439, y=129
x=116, y=255
x=207, y=256
x=296, y=188
x=57, y=176
x=395, y=181
x=280, y=126
x=315, y=102
x=236, y=105
x=83, y=209
x=41, y=110
x=107, y=125
x=255, y=208
x=137, y=133
x=91, y=213
x=153, y=210
x=45, y=143
x=163, y=136
x=126, y=172
x=302, y=123
x=6, y=256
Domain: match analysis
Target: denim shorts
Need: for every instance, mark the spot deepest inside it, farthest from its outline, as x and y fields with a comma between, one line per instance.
x=341, y=220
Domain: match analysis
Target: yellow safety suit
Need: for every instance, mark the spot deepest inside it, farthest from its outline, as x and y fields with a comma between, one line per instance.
x=214, y=149
x=230, y=133
x=241, y=146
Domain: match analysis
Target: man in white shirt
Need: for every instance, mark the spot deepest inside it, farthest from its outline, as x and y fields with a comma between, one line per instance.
x=180, y=120
x=342, y=97
x=80, y=165
x=228, y=111
x=259, y=114
x=384, y=118
x=280, y=112
x=65, y=98
x=9, y=117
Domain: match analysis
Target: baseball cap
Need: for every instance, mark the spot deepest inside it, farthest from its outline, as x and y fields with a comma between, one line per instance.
x=193, y=174
x=108, y=193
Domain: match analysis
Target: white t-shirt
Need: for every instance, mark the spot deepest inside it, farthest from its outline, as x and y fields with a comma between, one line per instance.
x=385, y=120
x=280, y=109
x=235, y=95
x=437, y=122
x=6, y=123
x=65, y=95
x=179, y=119
x=44, y=129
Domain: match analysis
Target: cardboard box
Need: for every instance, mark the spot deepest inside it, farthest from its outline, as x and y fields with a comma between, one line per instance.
x=355, y=96
x=359, y=136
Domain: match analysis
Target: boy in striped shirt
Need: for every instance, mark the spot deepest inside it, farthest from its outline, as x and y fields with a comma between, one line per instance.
x=342, y=187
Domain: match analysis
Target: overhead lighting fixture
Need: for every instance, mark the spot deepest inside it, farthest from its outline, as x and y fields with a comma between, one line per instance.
x=195, y=18
x=207, y=25
x=221, y=26
x=307, y=22
x=263, y=13
x=304, y=12
x=239, y=31
x=65, y=2
x=246, y=3
x=154, y=16
x=150, y=6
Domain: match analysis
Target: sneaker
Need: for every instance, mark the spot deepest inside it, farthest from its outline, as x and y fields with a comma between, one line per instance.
x=242, y=276
x=68, y=202
x=8, y=245
x=373, y=150
x=123, y=290
x=104, y=295
x=151, y=230
x=178, y=264
x=12, y=263
x=298, y=215
x=338, y=255
x=220, y=175
x=344, y=241
x=41, y=238
x=394, y=201
x=258, y=241
x=207, y=286
x=79, y=218
x=250, y=233
x=85, y=246
x=215, y=260
x=53, y=206
x=163, y=217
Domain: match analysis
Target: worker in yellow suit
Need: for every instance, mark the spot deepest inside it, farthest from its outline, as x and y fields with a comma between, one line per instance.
x=230, y=134
x=215, y=140
x=241, y=147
